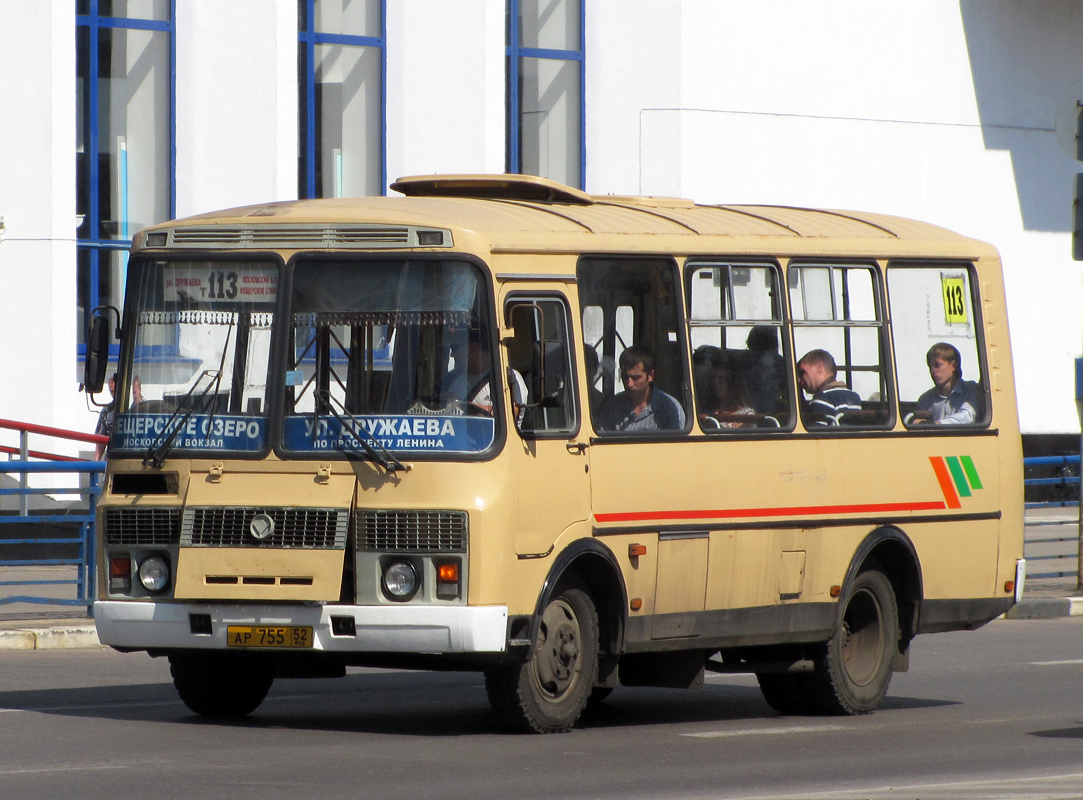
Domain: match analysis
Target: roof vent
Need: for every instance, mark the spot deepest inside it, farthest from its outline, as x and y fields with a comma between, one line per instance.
x=492, y=187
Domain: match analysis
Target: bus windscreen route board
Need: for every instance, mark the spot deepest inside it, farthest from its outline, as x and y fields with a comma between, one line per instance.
x=399, y=433
x=220, y=284
x=219, y=431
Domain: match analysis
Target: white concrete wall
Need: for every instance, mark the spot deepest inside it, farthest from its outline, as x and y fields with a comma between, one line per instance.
x=37, y=201
x=237, y=99
x=445, y=87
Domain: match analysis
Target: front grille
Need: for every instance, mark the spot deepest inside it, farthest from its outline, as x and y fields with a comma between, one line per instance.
x=313, y=528
x=141, y=527
x=413, y=531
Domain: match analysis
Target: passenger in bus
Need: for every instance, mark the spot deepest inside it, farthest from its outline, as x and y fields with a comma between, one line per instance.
x=831, y=400
x=721, y=389
x=642, y=406
x=952, y=400
x=765, y=370
x=470, y=379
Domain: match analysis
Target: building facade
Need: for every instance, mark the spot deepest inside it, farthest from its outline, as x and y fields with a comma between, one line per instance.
x=116, y=114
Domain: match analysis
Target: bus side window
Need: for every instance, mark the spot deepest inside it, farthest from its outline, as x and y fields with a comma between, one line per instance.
x=838, y=320
x=630, y=309
x=738, y=367
x=935, y=332
x=539, y=373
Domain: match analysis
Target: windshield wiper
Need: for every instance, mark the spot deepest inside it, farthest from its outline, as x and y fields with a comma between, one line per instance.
x=376, y=451
x=161, y=446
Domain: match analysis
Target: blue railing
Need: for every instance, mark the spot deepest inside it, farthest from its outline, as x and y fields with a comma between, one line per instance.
x=82, y=560
x=1063, y=480
x=1064, y=486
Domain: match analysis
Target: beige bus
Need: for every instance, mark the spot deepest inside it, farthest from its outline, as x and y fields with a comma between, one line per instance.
x=570, y=441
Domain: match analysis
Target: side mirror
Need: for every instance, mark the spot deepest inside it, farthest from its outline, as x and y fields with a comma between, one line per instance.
x=97, y=355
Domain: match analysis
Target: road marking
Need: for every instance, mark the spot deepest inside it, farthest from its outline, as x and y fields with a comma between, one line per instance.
x=765, y=731
x=1055, y=663
x=94, y=707
x=72, y=768
x=1056, y=787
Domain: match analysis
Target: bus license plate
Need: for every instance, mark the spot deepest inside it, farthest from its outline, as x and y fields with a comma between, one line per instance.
x=268, y=636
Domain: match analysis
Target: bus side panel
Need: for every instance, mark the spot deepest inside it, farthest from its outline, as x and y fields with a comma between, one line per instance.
x=786, y=517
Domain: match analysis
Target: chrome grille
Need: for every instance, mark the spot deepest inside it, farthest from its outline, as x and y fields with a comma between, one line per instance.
x=413, y=531
x=313, y=528
x=141, y=527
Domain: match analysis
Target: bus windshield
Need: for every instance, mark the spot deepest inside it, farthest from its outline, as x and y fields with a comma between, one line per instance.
x=390, y=354
x=200, y=354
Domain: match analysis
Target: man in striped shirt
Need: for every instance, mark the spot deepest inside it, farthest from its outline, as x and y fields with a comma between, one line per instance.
x=830, y=401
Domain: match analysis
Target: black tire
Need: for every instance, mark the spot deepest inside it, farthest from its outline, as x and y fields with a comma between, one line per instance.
x=548, y=693
x=785, y=692
x=223, y=686
x=854, y=668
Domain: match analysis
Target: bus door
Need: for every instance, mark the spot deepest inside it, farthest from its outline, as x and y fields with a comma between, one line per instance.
x=550, y=463
x=640, y=472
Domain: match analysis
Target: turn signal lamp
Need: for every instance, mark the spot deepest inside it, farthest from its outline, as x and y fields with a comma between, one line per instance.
x=1009, y=587
x=120, y=574
x=636, y=550
x=448, y=584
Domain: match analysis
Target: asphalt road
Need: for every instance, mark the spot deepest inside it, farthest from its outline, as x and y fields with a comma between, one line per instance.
x=994, y=713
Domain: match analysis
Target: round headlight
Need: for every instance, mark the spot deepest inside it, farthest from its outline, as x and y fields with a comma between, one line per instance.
x=400, y=580
x=154, y=573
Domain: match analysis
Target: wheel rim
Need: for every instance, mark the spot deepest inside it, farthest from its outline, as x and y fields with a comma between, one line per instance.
x=863, y=637
x=556, y=661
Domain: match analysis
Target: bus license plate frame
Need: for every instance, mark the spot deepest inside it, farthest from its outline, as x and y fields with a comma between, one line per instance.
x=290, y=637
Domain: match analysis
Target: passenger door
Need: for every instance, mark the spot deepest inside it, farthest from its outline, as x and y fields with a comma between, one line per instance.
x=549, y=459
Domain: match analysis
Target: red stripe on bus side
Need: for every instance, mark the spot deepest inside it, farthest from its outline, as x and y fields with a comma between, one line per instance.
x=791, y=511
x=947, y=486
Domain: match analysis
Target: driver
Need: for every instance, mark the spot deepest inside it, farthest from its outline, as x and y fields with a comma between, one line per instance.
x=470, y=379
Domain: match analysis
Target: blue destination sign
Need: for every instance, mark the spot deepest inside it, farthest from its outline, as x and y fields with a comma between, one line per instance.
x=200, y=431
x=413, y=434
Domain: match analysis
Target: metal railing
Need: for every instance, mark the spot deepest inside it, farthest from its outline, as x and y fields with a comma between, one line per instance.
x=1061, y=490
x=64, y=555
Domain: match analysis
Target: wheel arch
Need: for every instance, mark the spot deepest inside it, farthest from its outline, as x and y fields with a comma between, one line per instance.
x=890, y=550
x=592, y=565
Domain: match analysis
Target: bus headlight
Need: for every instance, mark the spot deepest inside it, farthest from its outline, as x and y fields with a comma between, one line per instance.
x=154, y=573
x=400, y=580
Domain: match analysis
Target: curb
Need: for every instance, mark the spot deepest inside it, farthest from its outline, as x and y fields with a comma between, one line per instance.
x=66, y=637
x=1046, y=608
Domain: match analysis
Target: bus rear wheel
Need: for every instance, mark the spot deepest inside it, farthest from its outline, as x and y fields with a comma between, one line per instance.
x=854, y=668
x=223, y=686
x=547, y=693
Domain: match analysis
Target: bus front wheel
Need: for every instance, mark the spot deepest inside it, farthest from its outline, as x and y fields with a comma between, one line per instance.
x=220, y=685
x=854, y=668
x=547, y=693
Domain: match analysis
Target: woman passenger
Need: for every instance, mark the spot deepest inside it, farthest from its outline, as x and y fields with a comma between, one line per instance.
x=724, y=393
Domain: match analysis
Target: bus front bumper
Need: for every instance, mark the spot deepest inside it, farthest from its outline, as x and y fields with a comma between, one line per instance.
x=378, y=629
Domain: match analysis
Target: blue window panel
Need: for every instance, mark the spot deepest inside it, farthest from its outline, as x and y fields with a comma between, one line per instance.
x=343, y=138
x=552, y=56
x=102, y=243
